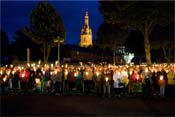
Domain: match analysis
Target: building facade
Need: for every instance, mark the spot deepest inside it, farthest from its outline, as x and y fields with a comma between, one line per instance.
x=86, y=32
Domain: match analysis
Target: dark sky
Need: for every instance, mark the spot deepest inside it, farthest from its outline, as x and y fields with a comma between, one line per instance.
x=16, y=14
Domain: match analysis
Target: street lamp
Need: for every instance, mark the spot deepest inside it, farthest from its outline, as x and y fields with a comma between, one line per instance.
x=58, y=40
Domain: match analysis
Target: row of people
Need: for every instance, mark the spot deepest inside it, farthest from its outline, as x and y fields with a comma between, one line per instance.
x=146, y=80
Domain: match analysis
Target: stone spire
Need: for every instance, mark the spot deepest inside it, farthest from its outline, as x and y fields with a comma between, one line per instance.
x=86, y=32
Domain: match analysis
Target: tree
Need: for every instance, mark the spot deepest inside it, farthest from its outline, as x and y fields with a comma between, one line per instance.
x=163, y=37
x=4, y=44
x=46, y=26
x=142, y=16
x=110, y=36
x=20, y=43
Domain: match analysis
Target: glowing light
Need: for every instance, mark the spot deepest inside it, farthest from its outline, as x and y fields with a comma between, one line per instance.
x=23, y=75
x=106, y=79
x=161, y=77
x=8, y=73
x=55, y=71
x=56, y=62
x=1, y=72
x=146, y=70
x=97, y=73
x=43, y=72
x=66, y=66
x=51, y=65
x=75, y=74
x=5, y=79
x=62, y=66
x=28, y=64
x=11, y=66
x=13, y=72
x=51, y=73
x=37, y=80
x=137, y=77
x=87, y=73
x=39, y=62
x=66, y=72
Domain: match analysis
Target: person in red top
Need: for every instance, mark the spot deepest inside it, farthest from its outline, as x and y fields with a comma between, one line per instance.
x=24, y=78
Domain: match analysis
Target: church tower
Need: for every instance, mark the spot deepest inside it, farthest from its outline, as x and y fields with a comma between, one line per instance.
x=86, y=32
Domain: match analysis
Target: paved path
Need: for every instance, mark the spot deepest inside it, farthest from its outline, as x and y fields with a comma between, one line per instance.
x=84, y=105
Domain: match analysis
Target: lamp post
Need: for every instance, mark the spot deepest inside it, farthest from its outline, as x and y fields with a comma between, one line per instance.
x=59, y=41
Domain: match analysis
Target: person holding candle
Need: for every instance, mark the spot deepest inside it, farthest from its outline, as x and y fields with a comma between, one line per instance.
x=117, y=77
x=170, y=83
x=162, y=85
x=24, y=78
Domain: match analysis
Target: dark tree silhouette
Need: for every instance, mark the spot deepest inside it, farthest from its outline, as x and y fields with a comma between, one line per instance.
x=140, y=15
x=46, y=25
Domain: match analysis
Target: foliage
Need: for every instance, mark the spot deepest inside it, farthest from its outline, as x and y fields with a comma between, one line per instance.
x=110, y=37
x=164, y=40
x=46, y=25
x=19, y=46
x=142, y=16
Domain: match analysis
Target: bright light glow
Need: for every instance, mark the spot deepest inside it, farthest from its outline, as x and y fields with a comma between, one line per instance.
x=55, y=71
x=128, y=57
x=11, y=65
x=4, y=79
x=37, y=80
x=106, y=79
x=51, y=65
x=1, y=72
x=87, y=73
x=62, y=66
x=137, y=77
x=23, y=75
x=66, y=72
x=97, y=73
x=75, y=74
x=161, y=77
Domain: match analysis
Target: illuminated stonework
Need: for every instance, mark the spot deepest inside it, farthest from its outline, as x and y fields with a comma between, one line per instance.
x=86, y=33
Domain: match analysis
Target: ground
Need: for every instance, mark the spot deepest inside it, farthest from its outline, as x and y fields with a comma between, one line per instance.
x=85, y=105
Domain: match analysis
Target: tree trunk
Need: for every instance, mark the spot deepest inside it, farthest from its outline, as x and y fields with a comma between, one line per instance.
x=147, y=44
x=44, y=52
x=169, y=55
x=48, y=52
x=114, y=60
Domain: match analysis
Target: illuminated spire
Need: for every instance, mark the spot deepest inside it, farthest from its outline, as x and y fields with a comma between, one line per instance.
x=86, y=18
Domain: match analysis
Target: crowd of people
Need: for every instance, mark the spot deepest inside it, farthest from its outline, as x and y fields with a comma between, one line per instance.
x=100, y=79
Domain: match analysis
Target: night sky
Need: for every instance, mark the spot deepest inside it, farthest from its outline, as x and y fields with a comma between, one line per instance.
x=16, y=14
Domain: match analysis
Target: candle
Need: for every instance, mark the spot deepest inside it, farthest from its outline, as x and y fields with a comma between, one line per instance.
x=62, y=66
x=97, y=73
x=37, y=80
x=55, y=71
x=161, y=77
x=51, y=65
x=106, y=79
x=1, y=72
x=23, y=75
x=87, y=73
x=43, y=72
x=75, y=74
x=137, y=77
x=5, y=78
